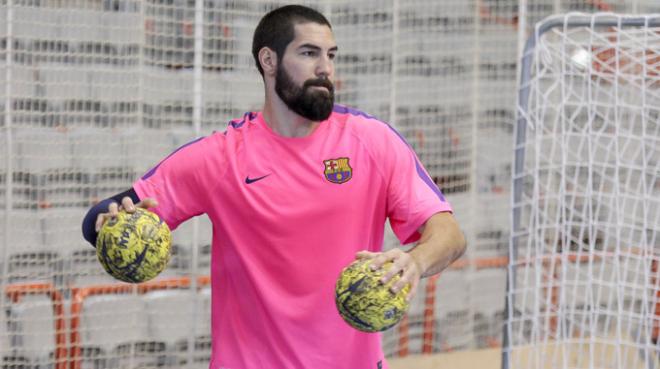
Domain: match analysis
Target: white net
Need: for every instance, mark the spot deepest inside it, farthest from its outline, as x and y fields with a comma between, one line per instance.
x=584, y=281
x=95, y=92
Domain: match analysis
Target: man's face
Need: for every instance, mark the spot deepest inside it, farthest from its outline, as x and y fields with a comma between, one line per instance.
x=304, y=75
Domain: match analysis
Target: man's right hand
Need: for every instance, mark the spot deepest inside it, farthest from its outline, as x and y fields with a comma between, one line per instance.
x=127, y=205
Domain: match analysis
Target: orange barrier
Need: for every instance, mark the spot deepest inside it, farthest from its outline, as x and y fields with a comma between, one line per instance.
x=429, y=304
x=549, y=261
x=552, y=262
x=485, y=12
x=404, y=336
x=16, y=291
x=79, y=295
x=655, y=281
x=430, y=301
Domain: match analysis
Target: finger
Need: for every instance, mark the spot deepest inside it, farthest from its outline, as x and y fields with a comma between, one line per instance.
x=100, y=219
x=366, y=255
x=384, y=257
x=397, y=268
x=147, y=203
x=379, y=260
x=113, y=209
x=127, y=203
x=413, y=292
x=409, y=276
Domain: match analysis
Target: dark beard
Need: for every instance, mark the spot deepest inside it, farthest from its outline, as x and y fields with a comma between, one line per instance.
x=315, y=105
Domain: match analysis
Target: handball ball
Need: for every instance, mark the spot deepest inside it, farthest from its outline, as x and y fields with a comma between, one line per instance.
x=364, y=302
x=134, y=247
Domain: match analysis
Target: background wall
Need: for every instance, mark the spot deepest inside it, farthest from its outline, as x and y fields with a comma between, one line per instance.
x=95, y=92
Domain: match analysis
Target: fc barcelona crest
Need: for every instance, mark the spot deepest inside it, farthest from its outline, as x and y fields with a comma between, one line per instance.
x=338, y=170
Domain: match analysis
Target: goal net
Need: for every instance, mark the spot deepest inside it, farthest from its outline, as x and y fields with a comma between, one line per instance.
x=584, y=282
x=95, y=92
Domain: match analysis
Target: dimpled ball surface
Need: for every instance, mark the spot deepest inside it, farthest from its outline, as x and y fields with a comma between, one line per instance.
x=364, y=302
x=134, y=247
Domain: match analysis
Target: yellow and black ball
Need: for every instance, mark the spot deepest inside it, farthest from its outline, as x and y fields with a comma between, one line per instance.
x=134, y=247
x=364, y=302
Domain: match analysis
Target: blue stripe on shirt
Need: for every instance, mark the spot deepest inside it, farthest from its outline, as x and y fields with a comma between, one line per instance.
x=153, y=170
x=420, y=169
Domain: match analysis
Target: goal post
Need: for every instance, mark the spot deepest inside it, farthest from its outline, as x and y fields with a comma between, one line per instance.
x=583, y=286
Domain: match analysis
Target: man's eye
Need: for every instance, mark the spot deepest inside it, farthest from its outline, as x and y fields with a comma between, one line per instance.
x=308, y=53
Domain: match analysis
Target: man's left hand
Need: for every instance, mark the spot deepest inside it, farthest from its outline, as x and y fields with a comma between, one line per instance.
x=403, y=264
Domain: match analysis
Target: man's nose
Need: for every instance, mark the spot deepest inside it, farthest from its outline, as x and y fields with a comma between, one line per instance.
x=325, y=67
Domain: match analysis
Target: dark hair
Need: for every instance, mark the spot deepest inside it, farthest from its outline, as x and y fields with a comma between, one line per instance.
x=276, y=29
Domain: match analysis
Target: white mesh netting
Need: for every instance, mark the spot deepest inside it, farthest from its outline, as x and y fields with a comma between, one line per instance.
x=95, y=92
x=584, y=277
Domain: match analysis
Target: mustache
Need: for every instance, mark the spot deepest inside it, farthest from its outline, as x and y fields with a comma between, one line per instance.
x=320, y=82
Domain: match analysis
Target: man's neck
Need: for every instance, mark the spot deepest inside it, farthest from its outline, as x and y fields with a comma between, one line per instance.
x=284, y=121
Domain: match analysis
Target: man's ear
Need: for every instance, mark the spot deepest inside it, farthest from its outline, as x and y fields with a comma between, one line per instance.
x=268, y=60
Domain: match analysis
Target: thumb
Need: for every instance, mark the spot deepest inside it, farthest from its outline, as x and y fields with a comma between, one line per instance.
x=148, y=203
x=366, y=255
